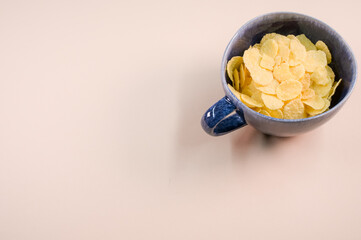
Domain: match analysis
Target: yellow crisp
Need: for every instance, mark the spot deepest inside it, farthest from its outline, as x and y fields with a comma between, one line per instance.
x=270, y=88
x=312, y=112
x=268, y=36
x=288, y=90
x=330, y=73
x=305, y=81
x=264, y=112
x=242, y=76
x=267, y=62
x=236, y=79
x=307, y=94
x=276, y=113
x=314, y=59
x=269, y=48
x=316, y=102
x=322, y=90
x=298, y=71
x=236, y=93
x=333, y=89
x=271, y=102
x=298, y=50
x=294, y=110
x=250, y=102
x=282, y=72
x=232, y=64
x=320, y=76
x=323, y=47
x=306, y=42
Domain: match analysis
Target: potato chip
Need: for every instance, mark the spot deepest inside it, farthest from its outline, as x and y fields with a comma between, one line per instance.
x=323, y=47
x=236, y=93
x=306, y=42
x=252, y=88
x=307, y=94
x=312, y=112
x=248, y=79
x=282, y=40
x=333, y=89
x=316, y=102
x=288, y=90
x=264, y=112
x=257, y=45
x=250, y=102
x=247, y=91
x=269, y=48
x=267, y=36
x=292, y=61
x=330, y=73
x=291, y=36
x=297, y=49
x=267, y=62
x=278, y=60
x=232, y=64
x=236, y=79
x=242, y=76
x=298, y=71
x=322, y=90
x=271, y=102
x=257, y=109
x=262, y=76
x=251, y=58
x=282, y=72
x=270, y=88
x=314, y=59
x=320, y=76
x=294, y=110
x=305, y=81
x=276, y=113
x=258, y=96
x=283, y=52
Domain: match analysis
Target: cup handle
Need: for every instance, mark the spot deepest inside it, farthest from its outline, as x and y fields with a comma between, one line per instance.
x=223, y=117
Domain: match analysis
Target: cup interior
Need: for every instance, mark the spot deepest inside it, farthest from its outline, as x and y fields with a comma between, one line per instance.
x=343, y=62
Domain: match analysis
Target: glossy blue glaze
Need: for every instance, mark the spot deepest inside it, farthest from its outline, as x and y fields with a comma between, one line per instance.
x=343, y=64
x=222, y=118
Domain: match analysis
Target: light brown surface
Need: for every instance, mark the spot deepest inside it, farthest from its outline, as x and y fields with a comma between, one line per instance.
x=100, y=105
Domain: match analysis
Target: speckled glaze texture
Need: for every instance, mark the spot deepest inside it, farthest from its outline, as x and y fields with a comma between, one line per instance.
x=343, y=63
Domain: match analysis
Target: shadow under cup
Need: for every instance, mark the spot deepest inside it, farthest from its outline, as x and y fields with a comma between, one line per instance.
x=343, y=64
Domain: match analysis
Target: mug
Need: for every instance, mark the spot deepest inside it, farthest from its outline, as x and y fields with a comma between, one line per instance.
x=229, y=113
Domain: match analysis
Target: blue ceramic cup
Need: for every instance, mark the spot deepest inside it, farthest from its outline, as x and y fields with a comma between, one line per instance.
x=230, y=113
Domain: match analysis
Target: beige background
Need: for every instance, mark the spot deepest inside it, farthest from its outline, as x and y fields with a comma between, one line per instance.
x=100, y=137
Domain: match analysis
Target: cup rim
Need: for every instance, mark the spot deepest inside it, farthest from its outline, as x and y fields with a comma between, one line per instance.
x=234, y=98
